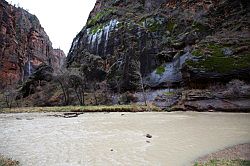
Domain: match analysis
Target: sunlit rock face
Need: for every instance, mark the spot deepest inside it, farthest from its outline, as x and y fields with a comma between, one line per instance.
x=138, y=38
x=24, y=45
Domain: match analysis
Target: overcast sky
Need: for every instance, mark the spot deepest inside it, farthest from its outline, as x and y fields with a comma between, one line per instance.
x=61, y=19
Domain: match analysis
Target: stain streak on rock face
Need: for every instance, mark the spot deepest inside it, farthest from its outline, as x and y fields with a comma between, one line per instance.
x=133, y=38
x=24, y=45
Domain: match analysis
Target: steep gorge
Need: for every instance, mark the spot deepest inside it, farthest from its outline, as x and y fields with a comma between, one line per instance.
x=24, y=46
x=192, y=45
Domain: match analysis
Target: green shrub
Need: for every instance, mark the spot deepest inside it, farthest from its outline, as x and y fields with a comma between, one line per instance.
x=160, y=70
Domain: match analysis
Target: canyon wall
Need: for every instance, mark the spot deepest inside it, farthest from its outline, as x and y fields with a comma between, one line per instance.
x=24, y=45
x=164, y=42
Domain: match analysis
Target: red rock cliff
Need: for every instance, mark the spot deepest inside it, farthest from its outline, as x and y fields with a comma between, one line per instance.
x=24, y=45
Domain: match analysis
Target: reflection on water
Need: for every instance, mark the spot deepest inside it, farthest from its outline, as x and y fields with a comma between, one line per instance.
x=112, y=139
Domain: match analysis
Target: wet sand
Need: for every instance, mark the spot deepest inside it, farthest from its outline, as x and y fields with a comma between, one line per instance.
x=119, y=138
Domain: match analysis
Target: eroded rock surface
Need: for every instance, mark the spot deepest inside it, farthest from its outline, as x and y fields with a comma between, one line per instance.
x=149, y=38
x=234, y=97
x=24, y=45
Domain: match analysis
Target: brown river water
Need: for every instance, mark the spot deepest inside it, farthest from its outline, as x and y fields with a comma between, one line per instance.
x=101, y=139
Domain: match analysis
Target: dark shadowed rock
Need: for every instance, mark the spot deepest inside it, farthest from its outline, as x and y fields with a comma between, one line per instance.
x=149, y=136
x=43, y=73
x=219, y=105
x=233, y=97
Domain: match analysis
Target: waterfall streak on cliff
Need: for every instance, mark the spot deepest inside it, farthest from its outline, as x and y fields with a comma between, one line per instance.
x=102, y=35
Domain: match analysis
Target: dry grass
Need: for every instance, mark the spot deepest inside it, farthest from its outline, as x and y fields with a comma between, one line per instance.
x=114, y=108
x=224, y=163
x=7, y=162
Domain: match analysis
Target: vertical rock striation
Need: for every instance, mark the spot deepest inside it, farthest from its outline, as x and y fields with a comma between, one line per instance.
x=24, y=45
x=155, y=39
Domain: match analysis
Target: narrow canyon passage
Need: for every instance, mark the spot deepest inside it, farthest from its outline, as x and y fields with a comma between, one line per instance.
x=37, y=139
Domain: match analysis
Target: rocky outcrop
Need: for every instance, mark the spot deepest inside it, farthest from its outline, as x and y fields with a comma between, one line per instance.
x=24, y=45
x=149, y=38
x=58, y=59
x=224, y=54
x=234, y=97
x=40, y=77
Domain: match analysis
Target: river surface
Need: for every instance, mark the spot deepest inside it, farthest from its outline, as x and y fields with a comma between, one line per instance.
x=101, y=139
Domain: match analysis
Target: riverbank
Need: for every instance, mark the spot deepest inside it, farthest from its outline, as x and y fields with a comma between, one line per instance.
x=99, y=108
x=235, y=155
x=7, y=161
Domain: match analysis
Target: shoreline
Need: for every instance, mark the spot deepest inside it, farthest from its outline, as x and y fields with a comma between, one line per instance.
x=101, y=108
x=6, y=161
x=83, y=109
x=239, y=152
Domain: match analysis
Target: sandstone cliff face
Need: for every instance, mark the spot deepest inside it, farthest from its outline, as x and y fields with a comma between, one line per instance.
x=58, y=59
x=24, y=45
x=165, y=41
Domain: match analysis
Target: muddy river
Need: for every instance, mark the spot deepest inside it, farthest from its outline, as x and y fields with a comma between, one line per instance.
x=37, y=139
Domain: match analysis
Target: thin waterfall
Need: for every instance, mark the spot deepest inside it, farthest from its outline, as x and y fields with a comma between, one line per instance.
x=99, y=39
x=94, y=40
x=75, y=42
x=110, y=27
x=29, y=66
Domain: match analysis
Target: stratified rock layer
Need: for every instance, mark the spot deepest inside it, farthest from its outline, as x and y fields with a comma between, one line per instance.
x=149, y=38
x=24, y=45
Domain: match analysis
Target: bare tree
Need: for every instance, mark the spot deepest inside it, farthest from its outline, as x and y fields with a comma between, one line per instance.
x=118, y=84
x=94, y=86
x=77, y=83
x=10, y=96
x=62, y=79
x=71, y=80
x=143, y=90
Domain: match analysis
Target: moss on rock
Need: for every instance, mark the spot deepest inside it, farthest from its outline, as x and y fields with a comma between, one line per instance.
x=99, y=16
x=160, y=70
x=215, y=61
x=197, y=52
x=171, y=25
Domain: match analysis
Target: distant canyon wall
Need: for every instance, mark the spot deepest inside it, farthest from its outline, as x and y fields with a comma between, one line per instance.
x=24, y=45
